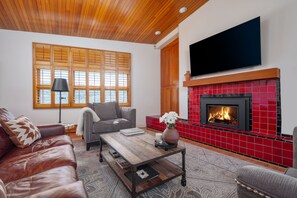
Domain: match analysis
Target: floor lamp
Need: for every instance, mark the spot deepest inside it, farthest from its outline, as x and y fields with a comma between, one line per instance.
x=60, y=85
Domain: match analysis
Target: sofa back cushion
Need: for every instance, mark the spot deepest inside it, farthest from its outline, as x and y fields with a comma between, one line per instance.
x=21, y=131
x=106, y=111
x=5, y=143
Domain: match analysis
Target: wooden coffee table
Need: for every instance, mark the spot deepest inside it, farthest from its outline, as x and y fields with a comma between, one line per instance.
x=139, y=150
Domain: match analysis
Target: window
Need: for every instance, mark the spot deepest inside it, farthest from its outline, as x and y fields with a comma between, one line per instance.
x=92, y=75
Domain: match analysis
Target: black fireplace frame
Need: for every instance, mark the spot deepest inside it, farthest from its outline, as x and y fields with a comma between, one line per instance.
x=241, y=101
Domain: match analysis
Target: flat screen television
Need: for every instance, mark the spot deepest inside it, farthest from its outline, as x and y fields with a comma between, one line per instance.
x=237, y=47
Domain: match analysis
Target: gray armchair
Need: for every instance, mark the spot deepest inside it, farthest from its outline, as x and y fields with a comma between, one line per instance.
x=256, y=182
x=112, y=118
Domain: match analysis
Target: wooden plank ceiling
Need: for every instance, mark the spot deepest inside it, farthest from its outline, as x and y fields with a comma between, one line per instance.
x=123, y=20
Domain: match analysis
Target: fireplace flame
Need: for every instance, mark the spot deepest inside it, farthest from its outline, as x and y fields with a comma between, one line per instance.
x=223, y=114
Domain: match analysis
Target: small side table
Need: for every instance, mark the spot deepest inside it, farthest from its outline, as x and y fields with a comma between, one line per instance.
x=70, y=128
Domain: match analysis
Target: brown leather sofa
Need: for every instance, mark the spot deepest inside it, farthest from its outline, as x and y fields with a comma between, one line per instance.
x=47, y=168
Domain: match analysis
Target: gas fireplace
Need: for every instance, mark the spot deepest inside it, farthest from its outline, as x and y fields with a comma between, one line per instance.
x=228, y=111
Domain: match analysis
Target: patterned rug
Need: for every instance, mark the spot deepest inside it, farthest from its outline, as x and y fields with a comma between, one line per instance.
x=209, y=174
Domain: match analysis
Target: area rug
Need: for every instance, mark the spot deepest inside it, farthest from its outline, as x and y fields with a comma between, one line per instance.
x=209, y=174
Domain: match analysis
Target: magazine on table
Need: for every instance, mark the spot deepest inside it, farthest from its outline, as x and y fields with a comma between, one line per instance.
x=131, y=131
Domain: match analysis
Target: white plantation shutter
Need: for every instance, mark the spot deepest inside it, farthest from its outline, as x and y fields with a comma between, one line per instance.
x=123, y=96
x=110, y=95
x=123, y=80
x=61, y=74
x=65, y=95
x=79, y=78
x=94, y=79
x=92, y=75
x=110, y=79
x=79, y=96
x=44, y=96
x=44, y=77
x=94, y=96
x=43, y=85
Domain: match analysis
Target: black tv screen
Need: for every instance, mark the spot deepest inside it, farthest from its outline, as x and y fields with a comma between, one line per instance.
x=234, y=48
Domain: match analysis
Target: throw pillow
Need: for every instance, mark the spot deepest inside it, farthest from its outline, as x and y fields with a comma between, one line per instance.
x=5, y=115
x=2, y=189
x=21, y=131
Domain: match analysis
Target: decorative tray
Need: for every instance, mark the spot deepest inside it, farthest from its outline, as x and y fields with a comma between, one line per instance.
x=164, y=145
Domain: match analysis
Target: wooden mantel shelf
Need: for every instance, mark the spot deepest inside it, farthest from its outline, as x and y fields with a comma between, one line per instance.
x=253, y=75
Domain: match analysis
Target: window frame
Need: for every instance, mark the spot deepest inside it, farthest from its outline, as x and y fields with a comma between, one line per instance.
x=58, y=57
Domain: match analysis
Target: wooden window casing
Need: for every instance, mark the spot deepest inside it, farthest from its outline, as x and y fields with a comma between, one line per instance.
x=86, y=71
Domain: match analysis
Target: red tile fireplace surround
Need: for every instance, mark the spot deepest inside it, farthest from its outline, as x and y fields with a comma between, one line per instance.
x=264, y=141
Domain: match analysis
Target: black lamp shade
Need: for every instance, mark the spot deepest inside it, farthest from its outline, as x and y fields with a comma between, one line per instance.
x=60, y=84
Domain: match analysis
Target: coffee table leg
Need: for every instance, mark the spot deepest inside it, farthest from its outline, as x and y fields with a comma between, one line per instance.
x=133, y=193
x=100, y=155
x=183, y=180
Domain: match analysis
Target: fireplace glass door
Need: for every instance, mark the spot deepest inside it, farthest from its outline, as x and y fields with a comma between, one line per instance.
x=225, y=115
x=226, y=111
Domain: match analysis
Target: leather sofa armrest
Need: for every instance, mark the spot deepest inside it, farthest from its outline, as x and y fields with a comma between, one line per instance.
x=74, y=190
x=51, y=130
x=254, y=181
x=129, y=114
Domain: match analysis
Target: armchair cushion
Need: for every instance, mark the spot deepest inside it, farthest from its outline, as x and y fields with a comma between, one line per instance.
x=21, y=131
x=106, y=111
x=111, y=125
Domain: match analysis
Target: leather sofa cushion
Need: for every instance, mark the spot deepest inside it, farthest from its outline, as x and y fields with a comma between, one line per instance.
x=41, y=144
x=106, y=111
x=33, y=163
x=6, y=144
x=43, y=181
x=111, y=125
x=74, y=190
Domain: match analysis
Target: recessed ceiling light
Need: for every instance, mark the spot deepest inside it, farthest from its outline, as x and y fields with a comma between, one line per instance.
x=157, y=33
x=183, y=10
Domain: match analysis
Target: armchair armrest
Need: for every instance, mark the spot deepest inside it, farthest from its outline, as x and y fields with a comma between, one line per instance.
x=51, y=130
x=88, y=125
x=253, y=181
x=129, y=114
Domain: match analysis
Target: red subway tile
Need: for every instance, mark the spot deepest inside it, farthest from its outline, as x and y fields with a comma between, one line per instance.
x=288, y=146
x=287, y=162
x=277, y=159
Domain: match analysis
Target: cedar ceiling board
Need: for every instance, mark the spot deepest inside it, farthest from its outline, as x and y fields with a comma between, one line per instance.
x=129, y=20
x=253, y=75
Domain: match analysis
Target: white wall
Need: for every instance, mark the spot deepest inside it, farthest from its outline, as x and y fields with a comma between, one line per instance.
x=16, y=74
x=278, y=40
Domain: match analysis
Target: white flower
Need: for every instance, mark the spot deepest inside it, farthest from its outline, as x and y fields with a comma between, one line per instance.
x=169, y=118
